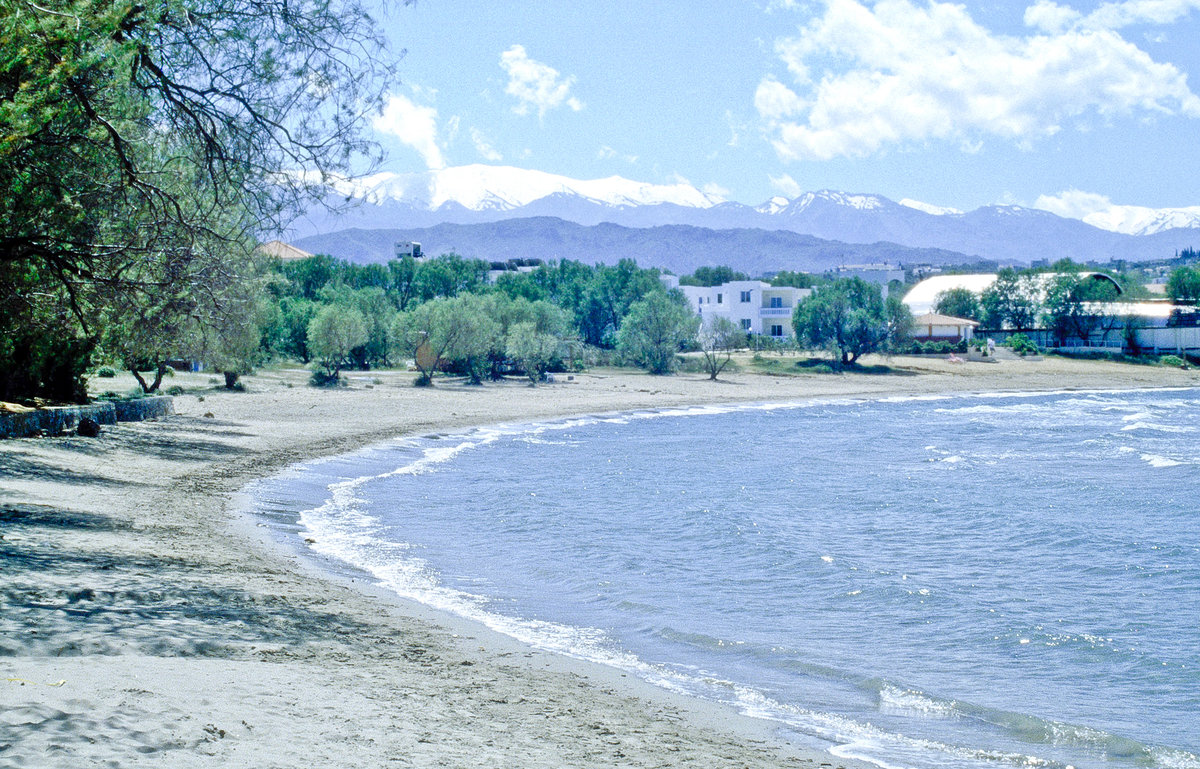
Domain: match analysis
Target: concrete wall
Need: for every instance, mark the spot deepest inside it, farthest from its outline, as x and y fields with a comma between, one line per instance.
x=58, y=419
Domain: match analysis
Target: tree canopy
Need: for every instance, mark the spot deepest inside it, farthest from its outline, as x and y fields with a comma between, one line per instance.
x=849, y=317
x=147, y=144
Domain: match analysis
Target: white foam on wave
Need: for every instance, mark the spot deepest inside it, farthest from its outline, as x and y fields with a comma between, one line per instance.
x=1154, y=460
x=1155, y=427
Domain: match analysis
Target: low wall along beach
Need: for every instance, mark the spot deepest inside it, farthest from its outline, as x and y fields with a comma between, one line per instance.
x=61, y=419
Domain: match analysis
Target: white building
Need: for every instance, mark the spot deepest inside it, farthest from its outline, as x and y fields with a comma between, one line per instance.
x=756, y=307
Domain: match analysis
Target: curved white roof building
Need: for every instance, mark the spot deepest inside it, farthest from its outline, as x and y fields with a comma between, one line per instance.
x=921, y=297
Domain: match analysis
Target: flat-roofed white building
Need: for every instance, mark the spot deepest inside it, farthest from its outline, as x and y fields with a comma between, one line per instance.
x=756, y=307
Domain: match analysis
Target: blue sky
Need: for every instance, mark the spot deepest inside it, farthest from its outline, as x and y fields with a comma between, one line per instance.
x=1065, y=105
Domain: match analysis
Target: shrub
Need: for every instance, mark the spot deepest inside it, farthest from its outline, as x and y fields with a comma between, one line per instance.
x=175, y=390
x=324, y=378
x=1022, y=345
x=1172, y=360
x=106, y=372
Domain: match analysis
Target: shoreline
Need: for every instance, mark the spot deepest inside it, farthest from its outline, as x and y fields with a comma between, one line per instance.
x=180, y=635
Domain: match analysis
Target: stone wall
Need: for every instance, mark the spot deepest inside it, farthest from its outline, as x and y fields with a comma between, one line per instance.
x=59, y=419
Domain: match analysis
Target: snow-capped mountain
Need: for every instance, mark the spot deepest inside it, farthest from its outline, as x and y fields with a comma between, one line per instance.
x=504, y=188
x=1138, y=220
x=480, y=194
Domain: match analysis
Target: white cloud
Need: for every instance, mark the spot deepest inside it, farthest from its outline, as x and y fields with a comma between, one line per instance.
x=535, y=85
x=1117, y=15
x=484, y=147
x=1073, y=203
x=414, y=125
x=712, y=189
x=1050, y=16
x=786, y=185
x=896, y=73
x=608, y=153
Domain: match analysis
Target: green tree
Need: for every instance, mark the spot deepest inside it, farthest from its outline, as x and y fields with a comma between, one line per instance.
x=1183, y=285
x=333, y=333
x=137, y=134
x=654, y=331
x=958, y=303
x=846, y=316
x=609, y=298
x=443, y=330
x=534, y=350
x=1076, y=305
x=718, y=338
x=1012, y=301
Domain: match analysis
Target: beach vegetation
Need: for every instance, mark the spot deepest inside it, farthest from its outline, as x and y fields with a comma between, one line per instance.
x=1022, y=345
x=333, y=334
x=655, y=331
x=535, y=351
x=718, y=338
x=850, y=318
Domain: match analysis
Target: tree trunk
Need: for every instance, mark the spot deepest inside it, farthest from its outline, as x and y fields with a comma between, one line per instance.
x=231, y=378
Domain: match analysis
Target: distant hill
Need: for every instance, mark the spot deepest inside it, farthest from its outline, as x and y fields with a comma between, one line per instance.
x=678, y=248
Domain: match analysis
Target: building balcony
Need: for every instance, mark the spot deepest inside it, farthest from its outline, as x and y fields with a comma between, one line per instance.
x=775, y=312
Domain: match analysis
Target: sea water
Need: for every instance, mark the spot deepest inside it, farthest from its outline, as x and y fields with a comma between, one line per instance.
x=967, y=581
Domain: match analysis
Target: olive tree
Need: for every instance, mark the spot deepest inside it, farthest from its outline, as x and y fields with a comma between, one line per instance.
x=332, y=335
x=534, y=350
x=718, y=338
x=848, y=317
x=654, y=331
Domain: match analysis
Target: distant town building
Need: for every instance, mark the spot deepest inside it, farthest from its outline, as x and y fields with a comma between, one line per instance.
x=880, y=274
x=409, y=248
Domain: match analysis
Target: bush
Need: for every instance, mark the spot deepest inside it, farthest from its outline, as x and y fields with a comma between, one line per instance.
x=106, y=372
x=175, y=390
x=1172, y=360
x=323, y=378
x=1022, y=345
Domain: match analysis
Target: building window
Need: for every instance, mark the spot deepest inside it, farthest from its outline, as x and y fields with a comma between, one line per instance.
x=777, y=301
x=745, y=324
x=745, y=296
x=776, y=330
x=718, y=298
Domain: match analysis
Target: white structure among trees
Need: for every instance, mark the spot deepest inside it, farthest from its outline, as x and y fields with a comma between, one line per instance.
x=753, y=306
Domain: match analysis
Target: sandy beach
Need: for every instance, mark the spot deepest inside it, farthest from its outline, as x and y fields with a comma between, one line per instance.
x=145, y=621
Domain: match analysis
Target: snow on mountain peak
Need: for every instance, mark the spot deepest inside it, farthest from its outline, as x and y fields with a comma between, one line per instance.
x=929, y=208
x=774, y=205
x=1139, y=220
x=483, y=187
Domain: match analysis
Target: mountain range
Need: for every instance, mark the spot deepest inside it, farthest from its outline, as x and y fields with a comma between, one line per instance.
x=674, y=247
x=413, y=206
